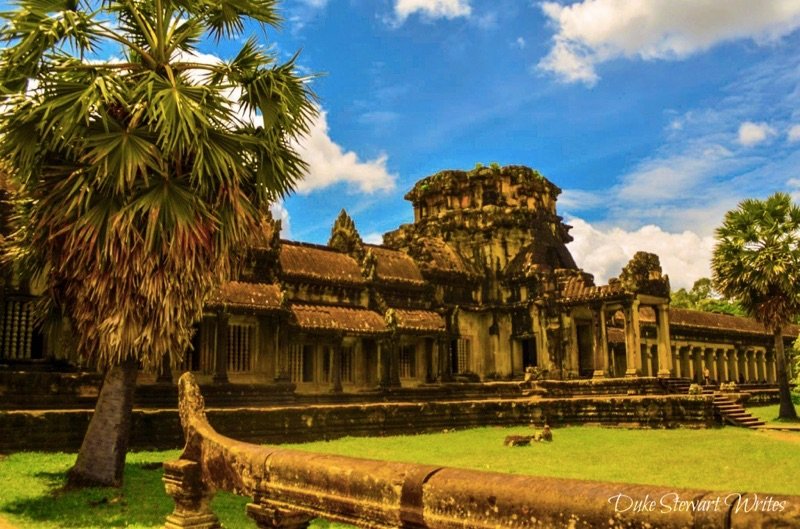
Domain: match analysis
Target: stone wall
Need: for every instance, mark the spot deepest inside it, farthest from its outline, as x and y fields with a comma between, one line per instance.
x=46, y=391
x=160, y=429
x=604, y=386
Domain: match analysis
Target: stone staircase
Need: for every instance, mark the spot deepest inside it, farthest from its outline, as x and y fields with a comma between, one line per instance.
x=735, y=414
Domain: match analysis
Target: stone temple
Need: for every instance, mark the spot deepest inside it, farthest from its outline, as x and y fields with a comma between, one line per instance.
x=481, y=286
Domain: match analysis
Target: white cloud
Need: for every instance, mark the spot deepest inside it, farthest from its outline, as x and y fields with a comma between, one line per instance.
x=316, y=4
x=668, y=178
x=794, y=133
x=373, y=238
x=685, y=256
x=754, y=133
x=520, y=43
x=279, y=212
x=329, y=164
x=432, y=8
x=594, y=31
x=794, y=184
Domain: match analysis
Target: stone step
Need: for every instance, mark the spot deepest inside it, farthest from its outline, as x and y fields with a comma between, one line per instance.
x=735, y=413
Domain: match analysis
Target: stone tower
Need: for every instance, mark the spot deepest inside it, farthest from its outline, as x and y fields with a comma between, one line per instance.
x=489, y=216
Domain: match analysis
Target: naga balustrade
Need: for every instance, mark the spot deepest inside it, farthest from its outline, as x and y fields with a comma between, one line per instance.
x=289, y=488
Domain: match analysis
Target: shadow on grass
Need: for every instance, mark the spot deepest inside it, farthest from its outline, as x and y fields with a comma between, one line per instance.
x=141, y=503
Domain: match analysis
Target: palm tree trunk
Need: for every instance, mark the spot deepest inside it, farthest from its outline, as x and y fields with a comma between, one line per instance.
x=101, y=459
x=786, y=410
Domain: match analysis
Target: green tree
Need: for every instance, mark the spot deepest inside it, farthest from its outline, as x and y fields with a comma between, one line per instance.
x=757, y=261
x=140, y=177
x=702, y=296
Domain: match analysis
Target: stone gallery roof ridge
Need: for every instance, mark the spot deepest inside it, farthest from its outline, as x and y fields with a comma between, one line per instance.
x=335, y=318
x=420, y=321
x=679, y=317
x=257, y=297
x=318, y=262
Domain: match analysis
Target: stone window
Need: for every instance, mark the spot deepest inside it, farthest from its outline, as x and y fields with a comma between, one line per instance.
x=296, y=362
x=241, y=345
x=462, y=356
x=301, y=363
x=18, y=339
x=348, y=365
x=408, y=361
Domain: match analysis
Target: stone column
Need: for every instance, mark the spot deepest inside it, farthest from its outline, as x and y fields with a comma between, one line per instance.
x=663, y=338
x=724, y=373
x=221, y=357
x=773, y=369
x=748, y=374
x=336, y=367
x=600, y=342
x=741, y=353
x=571, y=354
x=711, y=355
x=183, y=482
x=282, y=373
x=445, y=363
x=733, y=355
x=762, y=366
x=429, y=360
x=701, y=363
x=751, y=368
x=394, y=364
x=633, y=341
x=692, y=364
x=647, y=360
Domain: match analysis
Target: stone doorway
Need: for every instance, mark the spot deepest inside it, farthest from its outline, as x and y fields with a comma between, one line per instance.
x=529, y=353
x=585, y=350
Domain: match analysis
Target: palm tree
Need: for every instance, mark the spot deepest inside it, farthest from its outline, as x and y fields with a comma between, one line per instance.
x=757, y=262
x=140, y=176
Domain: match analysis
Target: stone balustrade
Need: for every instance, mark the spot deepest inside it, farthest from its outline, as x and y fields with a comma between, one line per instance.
x=290, y=487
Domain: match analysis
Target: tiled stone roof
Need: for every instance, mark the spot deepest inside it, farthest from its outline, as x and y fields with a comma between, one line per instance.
x=395, y=266
x=576, y=289
x=419, y=321
x=248, y=296
x=695, y=319
x=337, y=319
x=319, y=263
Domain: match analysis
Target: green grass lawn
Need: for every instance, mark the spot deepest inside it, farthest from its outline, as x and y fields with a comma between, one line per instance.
x=769, y=414
x=723, y=459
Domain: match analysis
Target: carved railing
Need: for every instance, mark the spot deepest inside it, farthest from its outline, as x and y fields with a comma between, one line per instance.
x=289, y=488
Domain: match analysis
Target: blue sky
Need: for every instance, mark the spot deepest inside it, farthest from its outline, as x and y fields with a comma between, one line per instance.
x=654, y=116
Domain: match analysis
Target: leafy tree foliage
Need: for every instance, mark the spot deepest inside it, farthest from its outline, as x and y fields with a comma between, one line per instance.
x=702, y=296
x=757, y=262
x=141, y=177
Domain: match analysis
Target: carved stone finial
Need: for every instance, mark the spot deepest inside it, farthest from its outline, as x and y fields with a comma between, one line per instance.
x=369, y=265
x=391, y=319
x=345, y=237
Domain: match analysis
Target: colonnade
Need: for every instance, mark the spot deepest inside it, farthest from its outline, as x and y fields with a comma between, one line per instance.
x=637, y=364
x=659, y=356
x=725, y=363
